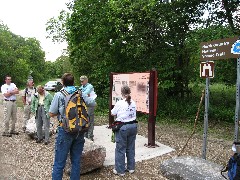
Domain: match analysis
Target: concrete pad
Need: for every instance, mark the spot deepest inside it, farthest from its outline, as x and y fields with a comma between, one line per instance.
x=102, y=136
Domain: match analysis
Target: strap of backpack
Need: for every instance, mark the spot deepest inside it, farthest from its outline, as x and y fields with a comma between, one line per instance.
x=25, y=96
x=64, y=92
x=224, y=169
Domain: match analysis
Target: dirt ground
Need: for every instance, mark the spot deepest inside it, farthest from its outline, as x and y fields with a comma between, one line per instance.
x=23, y=159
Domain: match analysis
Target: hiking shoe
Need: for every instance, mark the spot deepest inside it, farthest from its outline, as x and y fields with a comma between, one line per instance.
x=115, y=172
x=14, y=133
x=39, y=140
x=6, y=134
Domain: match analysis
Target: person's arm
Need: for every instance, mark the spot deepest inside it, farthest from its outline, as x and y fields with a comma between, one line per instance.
x=15, y=91
x=88, y=89
x=52, y=115
x=5, y=92
x=24, y=100
x=24, y=97
x=115, y=109
x=50, y=98
x=53, y=111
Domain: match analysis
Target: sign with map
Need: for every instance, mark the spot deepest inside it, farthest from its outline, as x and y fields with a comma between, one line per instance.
x=139, y=85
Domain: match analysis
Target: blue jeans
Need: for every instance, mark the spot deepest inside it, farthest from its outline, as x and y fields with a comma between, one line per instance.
x=125, y=144
x=66, y=143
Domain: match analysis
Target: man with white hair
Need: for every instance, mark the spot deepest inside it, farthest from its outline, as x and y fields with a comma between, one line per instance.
x=27, y=94
x=87, y=89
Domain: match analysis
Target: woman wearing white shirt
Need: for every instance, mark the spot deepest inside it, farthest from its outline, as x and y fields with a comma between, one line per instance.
x=125, y=111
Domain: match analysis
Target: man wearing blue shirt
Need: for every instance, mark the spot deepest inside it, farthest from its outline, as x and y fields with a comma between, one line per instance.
x=66, y=142
x=88, y=90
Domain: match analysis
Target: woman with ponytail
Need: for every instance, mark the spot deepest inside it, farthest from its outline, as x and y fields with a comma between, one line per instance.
x=125, y=112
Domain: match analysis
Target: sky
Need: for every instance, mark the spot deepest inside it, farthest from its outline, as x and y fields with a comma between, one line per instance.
x=28, y=18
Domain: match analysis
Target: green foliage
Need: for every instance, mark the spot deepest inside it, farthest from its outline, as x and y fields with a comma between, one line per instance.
x=19, y=57
x=108, y=36
x=102, y=106
x=225, y=70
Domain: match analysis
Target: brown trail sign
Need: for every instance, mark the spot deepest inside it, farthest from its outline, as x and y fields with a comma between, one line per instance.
x=217, y=49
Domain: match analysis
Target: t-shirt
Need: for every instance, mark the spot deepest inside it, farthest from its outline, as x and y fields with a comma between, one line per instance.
x=88, y=90
x=124, y=111
x=41, y=98
x=7, y=88
x=30, y=92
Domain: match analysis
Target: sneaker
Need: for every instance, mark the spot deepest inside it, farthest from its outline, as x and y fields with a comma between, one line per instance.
x=39, y=140
x=131, y=171
x=115, y=172
x=6, y=134
x=14, y=133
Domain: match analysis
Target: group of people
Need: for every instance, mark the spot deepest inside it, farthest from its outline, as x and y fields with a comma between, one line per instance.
x=44, y=106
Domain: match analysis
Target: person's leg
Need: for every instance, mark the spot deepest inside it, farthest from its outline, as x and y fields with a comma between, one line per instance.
x=7, y=109
x=130, y=151
x=14, y=116
x=75, y=155
x=120, y=150
x=89, y=133
x=62, y=147
x=39, y=123
x=26, y=115
x=46, y=122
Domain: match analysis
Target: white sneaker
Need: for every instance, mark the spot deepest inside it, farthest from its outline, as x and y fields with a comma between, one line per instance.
x=131, y=171
x=115, y=172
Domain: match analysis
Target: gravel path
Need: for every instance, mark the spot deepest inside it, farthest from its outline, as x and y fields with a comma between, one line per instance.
x=23, y=159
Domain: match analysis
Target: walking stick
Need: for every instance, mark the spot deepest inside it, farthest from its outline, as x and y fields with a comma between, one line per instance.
x=195, y=123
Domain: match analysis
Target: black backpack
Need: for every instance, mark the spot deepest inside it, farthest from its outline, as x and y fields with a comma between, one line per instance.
x=26, y=92
x=76, y=115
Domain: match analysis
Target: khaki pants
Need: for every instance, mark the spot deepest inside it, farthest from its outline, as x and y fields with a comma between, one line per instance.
x=9, y=111
x=26, y=115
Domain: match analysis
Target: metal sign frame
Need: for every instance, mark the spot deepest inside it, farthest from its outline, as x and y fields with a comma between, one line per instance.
x=153, y=91
x=211, y=55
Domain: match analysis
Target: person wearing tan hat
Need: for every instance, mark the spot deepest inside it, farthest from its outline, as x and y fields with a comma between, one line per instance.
x=87, y=89
x=27, y=94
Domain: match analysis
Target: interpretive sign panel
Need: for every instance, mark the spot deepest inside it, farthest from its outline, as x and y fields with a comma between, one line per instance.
x=218, y=49
x=139, y=85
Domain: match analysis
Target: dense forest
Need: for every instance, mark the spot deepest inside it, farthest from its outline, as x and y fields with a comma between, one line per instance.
x=129, y=36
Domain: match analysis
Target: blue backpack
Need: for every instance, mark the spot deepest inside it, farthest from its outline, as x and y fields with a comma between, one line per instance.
x=233, y=167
